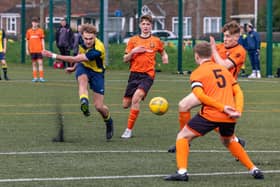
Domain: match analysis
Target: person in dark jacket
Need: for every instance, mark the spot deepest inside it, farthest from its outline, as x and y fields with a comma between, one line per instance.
x=64, y=39
x=243, y=41
x=78, y=40
x=253, y=48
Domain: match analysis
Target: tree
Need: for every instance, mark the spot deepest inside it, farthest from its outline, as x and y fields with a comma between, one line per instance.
x=276, y=18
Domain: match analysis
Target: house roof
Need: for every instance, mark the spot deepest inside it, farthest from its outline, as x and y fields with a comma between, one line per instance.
x=154, y=9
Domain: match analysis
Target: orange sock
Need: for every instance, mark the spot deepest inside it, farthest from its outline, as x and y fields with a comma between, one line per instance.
x=238, y=152
x=41, y=74
x=184, y=117
x=35, y=74
x=132, y=118
x=182, y=153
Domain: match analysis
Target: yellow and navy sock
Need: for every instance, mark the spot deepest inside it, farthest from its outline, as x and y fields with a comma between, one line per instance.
x=84, y=98
x=108, y=118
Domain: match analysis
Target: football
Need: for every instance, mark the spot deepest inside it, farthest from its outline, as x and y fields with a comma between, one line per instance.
x=158, y=105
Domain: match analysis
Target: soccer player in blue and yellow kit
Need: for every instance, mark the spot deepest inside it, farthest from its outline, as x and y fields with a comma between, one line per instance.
x=3, y=48
x=89, y=65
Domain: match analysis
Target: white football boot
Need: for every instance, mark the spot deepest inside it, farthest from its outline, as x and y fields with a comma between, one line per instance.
x=127, y=133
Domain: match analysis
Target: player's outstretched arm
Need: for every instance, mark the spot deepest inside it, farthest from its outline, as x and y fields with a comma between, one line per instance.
x=71, y=69
x=70, y=59
x=218, y=59
x=47, y=53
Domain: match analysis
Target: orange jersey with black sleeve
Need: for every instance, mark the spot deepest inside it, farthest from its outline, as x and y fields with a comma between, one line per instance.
x=144, y=62
x=236, y=54
x=217, y=83
x=34, y=38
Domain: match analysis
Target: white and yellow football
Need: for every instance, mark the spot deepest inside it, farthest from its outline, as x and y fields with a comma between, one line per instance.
x=158, y=105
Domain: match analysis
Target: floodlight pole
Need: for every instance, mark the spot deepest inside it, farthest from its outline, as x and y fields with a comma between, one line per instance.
x=269, y=38
x=223, y=14
x=68, y=12
x=23, y=47
x=180, y=36
x=139, y=14
x=101, y=24
x=50, y=30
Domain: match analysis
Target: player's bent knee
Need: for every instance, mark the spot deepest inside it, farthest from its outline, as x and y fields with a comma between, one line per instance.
x=225, y=142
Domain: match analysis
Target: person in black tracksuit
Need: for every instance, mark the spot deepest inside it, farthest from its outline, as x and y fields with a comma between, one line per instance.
x=64, y=39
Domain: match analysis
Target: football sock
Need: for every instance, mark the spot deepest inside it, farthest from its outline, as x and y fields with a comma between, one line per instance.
x=83, y=96
x=35, y=74
x=132, y=118
x=106, y=119
x=182, y=171
x=253, y=169
x=238, y=152
x=5, y=70
x=41, y=73
x=184, y=117
x=182, y=153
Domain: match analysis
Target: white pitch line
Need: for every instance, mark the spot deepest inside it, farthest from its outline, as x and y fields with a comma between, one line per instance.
x=124, y=151
x=125, y=177
x=276, y=81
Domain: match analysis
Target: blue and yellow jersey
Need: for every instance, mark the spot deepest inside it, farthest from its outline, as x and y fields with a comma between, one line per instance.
x=95, y=56
x=2, y=37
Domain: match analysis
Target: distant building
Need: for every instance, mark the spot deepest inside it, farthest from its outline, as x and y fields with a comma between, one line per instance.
x=201, y=17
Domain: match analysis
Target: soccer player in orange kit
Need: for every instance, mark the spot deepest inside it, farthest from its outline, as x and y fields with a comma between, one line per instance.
x=35, y=44
x=140, y=53
x=222, y=102
x=229, y=54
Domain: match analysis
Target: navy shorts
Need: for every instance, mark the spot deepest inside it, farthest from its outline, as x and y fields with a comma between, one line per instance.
x=95, y=79
x=202, y=126
x=36, y=56
x=138, y=81
x=2, y=56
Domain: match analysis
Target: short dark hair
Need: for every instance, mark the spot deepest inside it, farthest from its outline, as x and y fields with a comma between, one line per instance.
x=146, y=17
x=35, y=19
x=203, y=49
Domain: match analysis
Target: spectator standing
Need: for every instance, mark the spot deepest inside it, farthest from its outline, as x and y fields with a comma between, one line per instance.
x=64, y=39
x=3, y=48
x=35, y=44
x=243, y=41
x=78, y=40
x=253, y=44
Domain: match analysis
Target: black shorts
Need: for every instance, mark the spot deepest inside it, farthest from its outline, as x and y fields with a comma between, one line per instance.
x=138, y=81
x=36, y=56
x=201, y=126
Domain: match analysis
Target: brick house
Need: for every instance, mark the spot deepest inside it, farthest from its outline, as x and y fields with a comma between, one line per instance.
x=200, y=16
